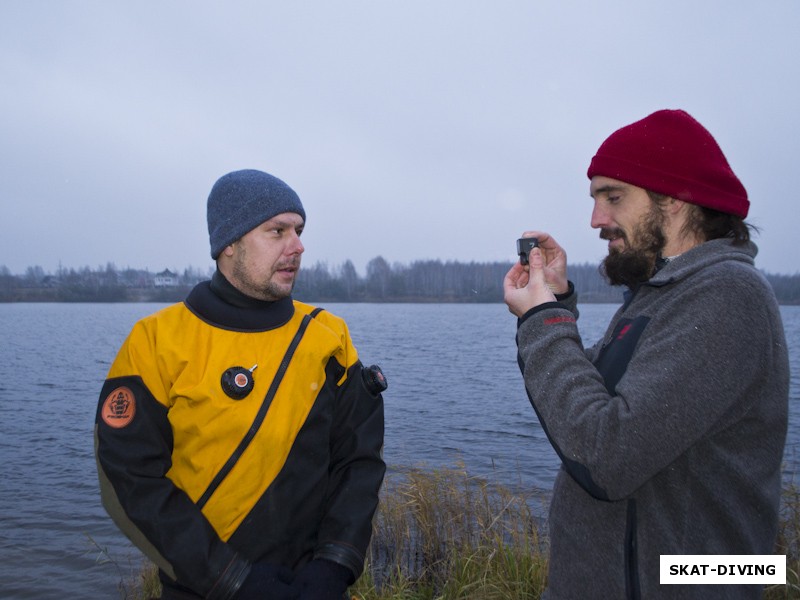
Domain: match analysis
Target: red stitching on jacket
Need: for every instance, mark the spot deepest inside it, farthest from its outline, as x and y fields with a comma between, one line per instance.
x=554, y=320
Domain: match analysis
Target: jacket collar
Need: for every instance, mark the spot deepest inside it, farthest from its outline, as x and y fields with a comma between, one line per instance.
x=219, y=303
x=679, y=267
x=701, y=256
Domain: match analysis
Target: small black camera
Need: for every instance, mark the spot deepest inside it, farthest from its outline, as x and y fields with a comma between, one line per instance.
x=524, y=246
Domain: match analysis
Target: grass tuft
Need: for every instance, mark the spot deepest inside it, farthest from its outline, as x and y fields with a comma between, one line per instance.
x=442, y=534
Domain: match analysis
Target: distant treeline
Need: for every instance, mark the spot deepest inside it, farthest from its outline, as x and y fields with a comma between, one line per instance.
x=420, y=281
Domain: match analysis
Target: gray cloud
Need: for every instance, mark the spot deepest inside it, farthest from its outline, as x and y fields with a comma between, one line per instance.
x=412, y=130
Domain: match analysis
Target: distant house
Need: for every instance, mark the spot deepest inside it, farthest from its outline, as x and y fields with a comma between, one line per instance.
x=50, y=282
x=165, y=279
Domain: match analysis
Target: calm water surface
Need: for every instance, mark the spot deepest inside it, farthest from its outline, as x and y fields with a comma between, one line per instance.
x=455, y=397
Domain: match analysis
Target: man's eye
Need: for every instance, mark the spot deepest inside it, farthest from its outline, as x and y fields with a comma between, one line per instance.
x=613, y=199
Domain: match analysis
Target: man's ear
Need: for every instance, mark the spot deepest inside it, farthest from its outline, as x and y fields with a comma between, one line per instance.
x=674, y=206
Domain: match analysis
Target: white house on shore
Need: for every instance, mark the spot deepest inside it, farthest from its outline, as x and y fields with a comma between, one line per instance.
x=165, y=279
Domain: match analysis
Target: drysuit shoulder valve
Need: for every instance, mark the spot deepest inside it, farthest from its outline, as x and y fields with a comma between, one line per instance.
x=374, y=379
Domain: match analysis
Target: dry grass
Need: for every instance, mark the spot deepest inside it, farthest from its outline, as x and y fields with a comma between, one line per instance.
x=442, y=534
x=788, y=543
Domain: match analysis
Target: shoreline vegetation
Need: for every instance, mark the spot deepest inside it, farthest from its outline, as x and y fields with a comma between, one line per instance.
x=440, y=534
x=418, y=282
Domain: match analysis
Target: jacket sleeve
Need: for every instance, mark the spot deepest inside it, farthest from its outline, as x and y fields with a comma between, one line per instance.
x=133, y=446
x=356, y=473
x=694, y=370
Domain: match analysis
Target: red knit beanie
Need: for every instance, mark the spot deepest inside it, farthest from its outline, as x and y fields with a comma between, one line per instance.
x=669, y=152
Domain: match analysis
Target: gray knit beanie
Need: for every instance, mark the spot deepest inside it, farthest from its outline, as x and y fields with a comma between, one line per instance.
x=240, y=201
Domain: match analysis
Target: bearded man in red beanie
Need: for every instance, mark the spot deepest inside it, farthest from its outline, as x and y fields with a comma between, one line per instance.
x=671, y=428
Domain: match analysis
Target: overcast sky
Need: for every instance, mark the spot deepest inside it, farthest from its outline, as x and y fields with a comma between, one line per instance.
x=410, y=130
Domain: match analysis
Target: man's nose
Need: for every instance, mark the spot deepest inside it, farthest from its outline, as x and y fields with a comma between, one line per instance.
x=599, y=216
x=296, y=246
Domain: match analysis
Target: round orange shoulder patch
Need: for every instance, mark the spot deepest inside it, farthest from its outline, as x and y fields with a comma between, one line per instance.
x=119, y=408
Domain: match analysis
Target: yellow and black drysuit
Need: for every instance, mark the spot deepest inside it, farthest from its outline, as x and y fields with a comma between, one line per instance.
x=206, y=483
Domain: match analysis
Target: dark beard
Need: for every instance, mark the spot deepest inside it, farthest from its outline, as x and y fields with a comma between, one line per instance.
x=636, y=263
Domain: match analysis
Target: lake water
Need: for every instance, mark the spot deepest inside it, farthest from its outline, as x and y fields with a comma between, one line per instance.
x=455, y=397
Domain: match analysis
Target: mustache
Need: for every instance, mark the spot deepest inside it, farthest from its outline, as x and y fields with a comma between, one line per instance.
x=289, y=264
x=608, y=233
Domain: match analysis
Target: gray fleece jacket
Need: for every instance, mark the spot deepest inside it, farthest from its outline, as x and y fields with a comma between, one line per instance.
x=670, y=429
